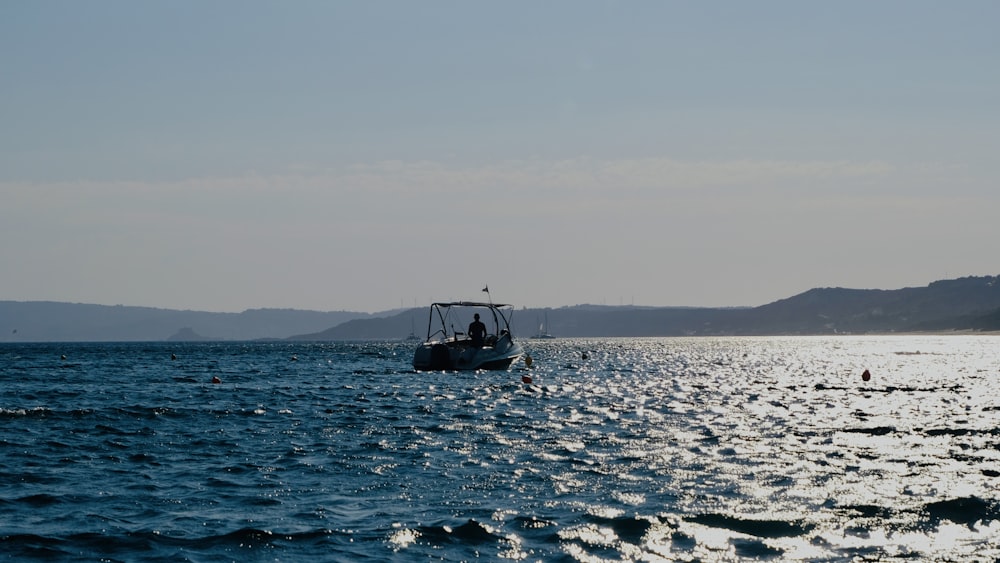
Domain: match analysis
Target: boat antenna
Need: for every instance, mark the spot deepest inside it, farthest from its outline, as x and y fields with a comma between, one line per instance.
x=488, y=296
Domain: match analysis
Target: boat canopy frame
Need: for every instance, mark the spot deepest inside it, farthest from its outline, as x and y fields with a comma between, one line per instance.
x=443, y=310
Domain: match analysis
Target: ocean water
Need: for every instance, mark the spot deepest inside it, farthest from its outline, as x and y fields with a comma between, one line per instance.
x=619, y=450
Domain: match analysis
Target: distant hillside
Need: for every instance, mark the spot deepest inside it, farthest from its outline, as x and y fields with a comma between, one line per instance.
x=942, y=305
x=971, y=303
x=40, y=321
x=395, y=327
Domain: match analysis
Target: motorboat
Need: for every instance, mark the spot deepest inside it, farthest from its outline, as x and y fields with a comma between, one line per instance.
x=448, y=346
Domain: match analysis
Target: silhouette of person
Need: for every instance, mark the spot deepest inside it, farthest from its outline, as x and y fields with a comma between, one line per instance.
x=477, y=332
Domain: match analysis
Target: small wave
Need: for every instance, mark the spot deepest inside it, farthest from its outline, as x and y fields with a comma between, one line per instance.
x=219, y=483
x=825, y=387
x=870, y=511
x=248, y=537
x=758, y=528
x=892, y=389
x=874, y=431
x=755, y=549
x=629, y=529
x=40, y=500
x=963, y=510
x=960, y=432
x=470, y=532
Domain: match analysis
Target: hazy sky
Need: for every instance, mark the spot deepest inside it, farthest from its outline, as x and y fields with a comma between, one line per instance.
x=226, y=155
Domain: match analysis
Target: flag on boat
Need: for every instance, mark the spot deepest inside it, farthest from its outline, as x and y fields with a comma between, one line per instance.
x=486, y=289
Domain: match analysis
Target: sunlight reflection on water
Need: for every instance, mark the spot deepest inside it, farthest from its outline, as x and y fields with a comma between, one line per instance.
x=784, y=430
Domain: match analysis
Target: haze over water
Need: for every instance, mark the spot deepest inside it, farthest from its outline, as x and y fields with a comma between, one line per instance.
x=652, y=449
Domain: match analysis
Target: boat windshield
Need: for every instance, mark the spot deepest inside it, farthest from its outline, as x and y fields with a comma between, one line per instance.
x=450, y=320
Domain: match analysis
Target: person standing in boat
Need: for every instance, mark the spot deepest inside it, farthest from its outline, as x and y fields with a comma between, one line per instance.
x=477, y=332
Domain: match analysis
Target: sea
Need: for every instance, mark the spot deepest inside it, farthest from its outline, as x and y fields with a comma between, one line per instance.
x=653, y=449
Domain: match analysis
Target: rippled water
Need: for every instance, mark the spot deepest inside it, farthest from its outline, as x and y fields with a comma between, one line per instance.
x=654, y=449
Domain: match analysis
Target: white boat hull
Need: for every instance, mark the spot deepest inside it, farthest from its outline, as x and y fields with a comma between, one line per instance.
x=496, y=354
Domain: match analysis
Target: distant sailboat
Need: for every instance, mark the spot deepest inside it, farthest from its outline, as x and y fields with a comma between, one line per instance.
x=543, y=330
x=412, y=337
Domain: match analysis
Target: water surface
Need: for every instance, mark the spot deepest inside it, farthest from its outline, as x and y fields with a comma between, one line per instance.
x=620, y=450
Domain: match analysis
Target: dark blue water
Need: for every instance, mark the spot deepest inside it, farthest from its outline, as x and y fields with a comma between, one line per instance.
x=655, y=449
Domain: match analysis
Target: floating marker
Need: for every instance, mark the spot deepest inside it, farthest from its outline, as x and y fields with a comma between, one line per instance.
x=527, y=361
x=215, y=379
x=866, y=375
x=173, y=356
x=584, y=356
x=526, y=379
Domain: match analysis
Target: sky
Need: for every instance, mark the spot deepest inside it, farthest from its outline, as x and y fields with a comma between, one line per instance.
x=225, y=155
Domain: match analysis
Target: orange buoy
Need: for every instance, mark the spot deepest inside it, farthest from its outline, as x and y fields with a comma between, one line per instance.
x=866, y=375
x=215, y=379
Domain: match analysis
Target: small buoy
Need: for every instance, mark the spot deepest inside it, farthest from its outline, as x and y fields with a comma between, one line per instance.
x=215, y=379
x=526, y=379
x=866, y=375
x=584, y=356
x=63, y=357
x=173, y=356
x=295, y=358
x=527, y=361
